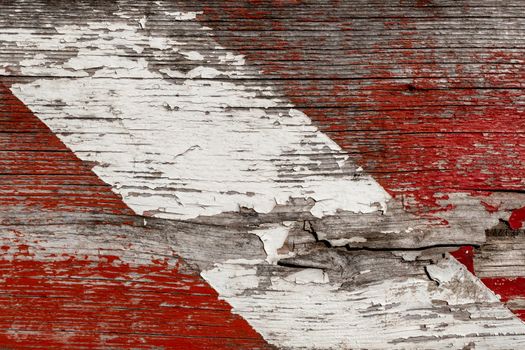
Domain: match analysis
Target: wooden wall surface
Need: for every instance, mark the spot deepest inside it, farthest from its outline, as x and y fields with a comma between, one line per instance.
x=260, y=174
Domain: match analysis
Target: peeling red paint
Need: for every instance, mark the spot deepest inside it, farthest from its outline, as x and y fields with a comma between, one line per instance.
x=490, y=208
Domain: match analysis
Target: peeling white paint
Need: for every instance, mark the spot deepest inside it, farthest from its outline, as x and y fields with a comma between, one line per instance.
x=273, y=237
x=344, y=241
x=192, y=55
x=229, y=278
x=187, y=148
x=142, y=22
x=394, y=314
x=307, y=276
x=205, y=72
x=183, y=16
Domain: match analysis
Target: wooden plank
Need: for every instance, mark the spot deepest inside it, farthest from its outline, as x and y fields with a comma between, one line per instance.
x=270, y=134
x=395, y=93
x=319, y=298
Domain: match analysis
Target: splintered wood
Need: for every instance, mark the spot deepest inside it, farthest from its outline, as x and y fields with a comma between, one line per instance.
x=261, y=174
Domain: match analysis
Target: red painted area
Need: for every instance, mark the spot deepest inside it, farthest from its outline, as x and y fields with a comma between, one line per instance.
x=465, y=255
x=507, y=288
x=38, y=172
x=517, y=218
x=520, y=313
x=101, y=302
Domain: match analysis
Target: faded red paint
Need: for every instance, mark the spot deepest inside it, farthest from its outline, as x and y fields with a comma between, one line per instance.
x=86, y=302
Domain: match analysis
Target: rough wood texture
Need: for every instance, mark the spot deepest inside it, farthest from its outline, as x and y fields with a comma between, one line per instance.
x=281, y=133
x=425, y=95
x=121, y=286
x=390, y=83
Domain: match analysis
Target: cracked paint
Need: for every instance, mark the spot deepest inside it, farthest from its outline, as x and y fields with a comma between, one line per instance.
x=245, y=141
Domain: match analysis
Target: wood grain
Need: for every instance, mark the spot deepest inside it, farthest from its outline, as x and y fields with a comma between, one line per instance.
x=314, y=161
x=425, y=95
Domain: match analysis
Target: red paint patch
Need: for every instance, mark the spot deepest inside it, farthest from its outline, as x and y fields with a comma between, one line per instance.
x=490, y=208
x=465, y=255
x=517, y=218
x=507, y=288
x=520, y=314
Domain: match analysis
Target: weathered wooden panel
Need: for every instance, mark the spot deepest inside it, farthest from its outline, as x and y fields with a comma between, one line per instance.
x=270, y=134
x=104, y=64
x=122, y=286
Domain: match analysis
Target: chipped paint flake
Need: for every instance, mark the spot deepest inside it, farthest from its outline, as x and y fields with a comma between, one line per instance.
x=273, y=237
x=183, y=16
x=308, y=276
x=192, y=55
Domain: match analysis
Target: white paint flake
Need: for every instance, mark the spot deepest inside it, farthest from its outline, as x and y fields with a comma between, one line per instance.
x=205, y=72
x=273, y=237
x=307, y=276
x=192, y=55
x=142, y=22
x=183, y=16
x=229, y=278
